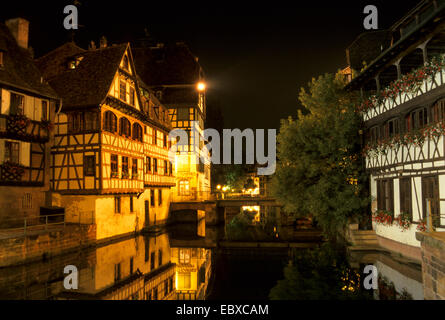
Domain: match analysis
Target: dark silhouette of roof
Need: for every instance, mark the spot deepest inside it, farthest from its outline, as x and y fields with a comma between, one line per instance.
x=169, y=65
x=88, y=84
x=19, y=69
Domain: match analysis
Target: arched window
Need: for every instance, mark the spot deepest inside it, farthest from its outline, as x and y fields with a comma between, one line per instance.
x=137, y=131
x=125, y=127
x=391, y=128
x=110, y=122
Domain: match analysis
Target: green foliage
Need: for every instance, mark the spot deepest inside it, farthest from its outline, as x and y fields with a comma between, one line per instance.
x=241, y=228
x=318, y=154
x=319, y=274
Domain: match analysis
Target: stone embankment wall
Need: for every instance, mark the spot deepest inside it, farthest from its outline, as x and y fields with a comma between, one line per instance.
x=35, y=247
x=433, y=264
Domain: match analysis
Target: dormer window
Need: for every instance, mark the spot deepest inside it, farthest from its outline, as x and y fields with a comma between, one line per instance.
x=73, y=63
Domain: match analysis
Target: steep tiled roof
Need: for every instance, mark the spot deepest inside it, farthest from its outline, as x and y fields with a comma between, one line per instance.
x=19, y=69
x=170, y=64
x=55, y=62
x=89, y=82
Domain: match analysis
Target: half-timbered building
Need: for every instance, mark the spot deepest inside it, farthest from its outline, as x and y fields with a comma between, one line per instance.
x=176, y=77
x=27, y=108
x=401, y=77
x=110, y=153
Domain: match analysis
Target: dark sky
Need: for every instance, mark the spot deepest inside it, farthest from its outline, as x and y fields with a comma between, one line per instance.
x=256, y=54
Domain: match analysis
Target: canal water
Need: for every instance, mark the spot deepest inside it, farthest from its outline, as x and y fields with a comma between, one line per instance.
x=186, y=263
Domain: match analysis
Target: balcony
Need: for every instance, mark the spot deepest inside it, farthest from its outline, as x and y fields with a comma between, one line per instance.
x=12, y=174
x=19, y=127
x=410, y=86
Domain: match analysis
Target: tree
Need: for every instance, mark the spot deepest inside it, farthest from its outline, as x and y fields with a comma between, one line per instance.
x=319, y=156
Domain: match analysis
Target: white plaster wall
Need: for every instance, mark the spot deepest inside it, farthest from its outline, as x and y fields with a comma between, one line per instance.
x=413, y=287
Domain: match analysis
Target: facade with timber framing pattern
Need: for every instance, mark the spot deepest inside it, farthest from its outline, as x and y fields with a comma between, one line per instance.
x=173, y=72
x=110, y=154
x=402, y=83
x=27, y=108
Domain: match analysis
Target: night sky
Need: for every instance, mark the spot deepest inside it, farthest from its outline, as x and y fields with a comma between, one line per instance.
x=256, y=55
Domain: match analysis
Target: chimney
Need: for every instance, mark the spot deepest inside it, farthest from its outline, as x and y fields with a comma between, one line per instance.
x=19, y=28
x=103, y=42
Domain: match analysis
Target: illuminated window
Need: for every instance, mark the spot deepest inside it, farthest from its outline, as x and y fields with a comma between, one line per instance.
x=184, y=256
x=184, y=188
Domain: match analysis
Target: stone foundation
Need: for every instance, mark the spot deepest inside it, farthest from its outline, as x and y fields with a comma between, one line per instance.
x=433, y=264
x=40, y=246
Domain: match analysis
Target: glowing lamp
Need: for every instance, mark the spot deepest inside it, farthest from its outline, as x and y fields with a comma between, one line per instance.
x=201, y=86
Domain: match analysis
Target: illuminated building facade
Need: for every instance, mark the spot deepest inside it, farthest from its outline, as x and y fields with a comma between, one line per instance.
x=109, y=159
x=402, y=86
x=177, y=78
x=27, y=107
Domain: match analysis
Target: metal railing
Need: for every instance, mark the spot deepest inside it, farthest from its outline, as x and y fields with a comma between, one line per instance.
x=432, y=220
x=42, y=223
x=32, y=223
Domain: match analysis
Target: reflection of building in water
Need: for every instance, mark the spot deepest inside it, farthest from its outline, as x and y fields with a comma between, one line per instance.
x=193, y=270
x=139, y=268
x=398, y=278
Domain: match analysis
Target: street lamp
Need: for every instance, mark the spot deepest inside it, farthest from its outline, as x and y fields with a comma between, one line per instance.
x=201, y=86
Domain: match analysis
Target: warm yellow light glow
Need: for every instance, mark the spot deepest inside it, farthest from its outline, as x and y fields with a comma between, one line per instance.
x=218, y=186
x=252, y=208
x=201, y=86
x=225, y=188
